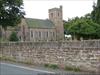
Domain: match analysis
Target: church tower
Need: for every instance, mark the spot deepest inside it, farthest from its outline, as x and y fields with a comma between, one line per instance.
x=56, y=16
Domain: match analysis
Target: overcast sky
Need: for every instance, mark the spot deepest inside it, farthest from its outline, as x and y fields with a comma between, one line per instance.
x=71, y=8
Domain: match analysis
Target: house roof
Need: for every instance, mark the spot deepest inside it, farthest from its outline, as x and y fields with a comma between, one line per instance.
x=39, y=23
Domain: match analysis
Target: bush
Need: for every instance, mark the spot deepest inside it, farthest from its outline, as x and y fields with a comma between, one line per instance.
x=53, y=66
x=46, y=65
x=13, y=37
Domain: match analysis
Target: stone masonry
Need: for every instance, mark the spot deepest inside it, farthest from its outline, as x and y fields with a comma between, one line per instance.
x=82, y=54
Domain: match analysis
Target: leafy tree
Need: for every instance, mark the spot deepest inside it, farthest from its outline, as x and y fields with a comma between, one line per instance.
x=10, y=12
x=13, y=37
x=0, y=33
x=95, y=14
x=83, y=27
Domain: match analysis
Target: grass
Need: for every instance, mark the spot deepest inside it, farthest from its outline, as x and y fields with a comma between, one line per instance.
x=3, y=40
x=27, y=62
x=67, y=68
x=53, y=66
x=75, y=69
x=6, y=58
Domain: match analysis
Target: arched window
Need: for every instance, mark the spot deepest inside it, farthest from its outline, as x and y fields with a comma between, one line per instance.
x=47, y=34
x=31, y=33
x=39, y=34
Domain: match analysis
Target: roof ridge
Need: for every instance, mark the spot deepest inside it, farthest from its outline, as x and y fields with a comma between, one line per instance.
x=37, y=19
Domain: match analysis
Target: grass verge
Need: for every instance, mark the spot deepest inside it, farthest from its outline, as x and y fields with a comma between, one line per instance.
x=53, y=66
x=75, y=69
x=12, y=59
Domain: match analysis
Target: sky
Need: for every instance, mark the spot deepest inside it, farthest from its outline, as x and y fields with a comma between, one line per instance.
x=71, y=8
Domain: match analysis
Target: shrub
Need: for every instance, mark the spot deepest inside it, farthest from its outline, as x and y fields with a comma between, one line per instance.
x=13, y=37
x=76, y=69
x=53, y=66
x=46, y=65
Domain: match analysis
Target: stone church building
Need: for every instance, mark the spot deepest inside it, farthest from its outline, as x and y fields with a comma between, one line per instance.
x=42, y=30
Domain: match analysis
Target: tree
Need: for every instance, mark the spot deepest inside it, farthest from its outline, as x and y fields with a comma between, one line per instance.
x=83, y=27
x=95, y=14
x=98, y=3
x=10, y=12
x=13, y=37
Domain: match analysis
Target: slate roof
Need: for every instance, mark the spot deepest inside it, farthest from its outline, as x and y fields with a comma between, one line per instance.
x=39, y=23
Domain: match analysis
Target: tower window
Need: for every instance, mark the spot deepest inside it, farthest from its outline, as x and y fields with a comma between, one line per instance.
x=51, y=14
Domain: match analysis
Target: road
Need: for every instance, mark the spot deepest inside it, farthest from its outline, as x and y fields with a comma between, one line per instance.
x=15, y=69
x=10, y=69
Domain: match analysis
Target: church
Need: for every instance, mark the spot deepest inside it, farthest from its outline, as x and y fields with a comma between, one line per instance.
x=42, y=30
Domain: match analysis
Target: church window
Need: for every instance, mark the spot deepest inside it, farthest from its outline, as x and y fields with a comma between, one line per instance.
x=40, y=34
x=31, y=33
x=47, y=34
x=53, y=34
x=58, y=14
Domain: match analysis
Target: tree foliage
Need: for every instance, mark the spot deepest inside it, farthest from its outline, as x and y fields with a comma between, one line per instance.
x=95, y=14
x=83, y=27
x=10, y=12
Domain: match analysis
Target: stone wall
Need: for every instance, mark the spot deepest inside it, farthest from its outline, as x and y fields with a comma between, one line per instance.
x=83, y=54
